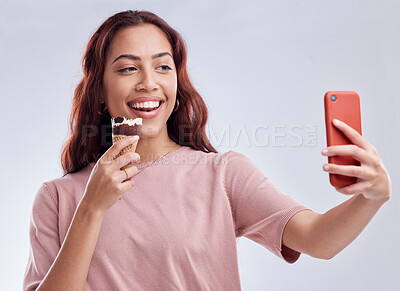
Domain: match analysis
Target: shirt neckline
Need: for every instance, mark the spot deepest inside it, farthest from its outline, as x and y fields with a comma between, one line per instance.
x=160, y=159
x=154, y=162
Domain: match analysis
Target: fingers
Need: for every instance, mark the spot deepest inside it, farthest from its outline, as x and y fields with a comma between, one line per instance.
x=126, y=178
x=126, y=175
x=115, y=149
x=355, y=188
x=349, y=150
x=354, y=136
x=131, y=171
x=126, y=158
x=353, y=171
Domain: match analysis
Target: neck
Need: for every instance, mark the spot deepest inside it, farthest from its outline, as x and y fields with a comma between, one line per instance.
x=153, y=147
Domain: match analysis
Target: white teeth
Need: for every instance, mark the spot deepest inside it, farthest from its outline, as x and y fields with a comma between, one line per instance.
x=151, y=104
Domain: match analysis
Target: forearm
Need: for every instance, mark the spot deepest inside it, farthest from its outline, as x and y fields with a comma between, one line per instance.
x=332, y=231
x=70, y=268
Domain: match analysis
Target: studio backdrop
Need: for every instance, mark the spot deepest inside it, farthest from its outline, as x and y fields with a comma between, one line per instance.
x=262, y=68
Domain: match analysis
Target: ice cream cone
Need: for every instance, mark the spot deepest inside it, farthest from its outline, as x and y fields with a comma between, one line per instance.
x=122, y=128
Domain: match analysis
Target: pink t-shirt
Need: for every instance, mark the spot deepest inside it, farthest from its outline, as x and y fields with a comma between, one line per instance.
x=176, y=229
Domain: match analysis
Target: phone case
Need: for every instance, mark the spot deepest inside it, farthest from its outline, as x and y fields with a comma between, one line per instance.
x=346, y=108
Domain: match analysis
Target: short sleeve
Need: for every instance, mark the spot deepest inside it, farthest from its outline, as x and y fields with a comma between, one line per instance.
x=43, y=237
x=260, y=210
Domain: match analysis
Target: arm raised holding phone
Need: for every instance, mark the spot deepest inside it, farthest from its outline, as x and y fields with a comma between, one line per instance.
x=325, y=235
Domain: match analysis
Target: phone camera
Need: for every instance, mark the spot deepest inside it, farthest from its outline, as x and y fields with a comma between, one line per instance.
x=333, y=98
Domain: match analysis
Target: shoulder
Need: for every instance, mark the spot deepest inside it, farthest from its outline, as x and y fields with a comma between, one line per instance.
x=71, y=185
x=233, y=155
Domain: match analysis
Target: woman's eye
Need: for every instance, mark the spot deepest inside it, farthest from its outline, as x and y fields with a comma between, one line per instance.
x=165, y=68
x=130, y=69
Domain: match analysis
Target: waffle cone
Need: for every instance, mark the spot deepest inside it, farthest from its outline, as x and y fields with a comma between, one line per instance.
x=129, y=148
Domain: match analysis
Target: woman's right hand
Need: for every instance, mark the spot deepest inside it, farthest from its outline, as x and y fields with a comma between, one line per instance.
x=107, y=182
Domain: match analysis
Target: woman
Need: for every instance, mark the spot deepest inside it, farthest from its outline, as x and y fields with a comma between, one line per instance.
x=183, y=204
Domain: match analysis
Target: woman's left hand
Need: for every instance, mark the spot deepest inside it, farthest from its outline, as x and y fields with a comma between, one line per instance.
x=373, y=180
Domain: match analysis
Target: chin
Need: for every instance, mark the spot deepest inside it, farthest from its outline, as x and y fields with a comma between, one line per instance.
x=149, y=131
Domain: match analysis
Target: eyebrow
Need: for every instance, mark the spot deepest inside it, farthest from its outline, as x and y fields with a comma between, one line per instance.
x=136, y=58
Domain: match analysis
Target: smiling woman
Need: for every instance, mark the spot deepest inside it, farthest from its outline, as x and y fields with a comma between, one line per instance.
x=184, y=203
x=149, y=75
x=134, y=58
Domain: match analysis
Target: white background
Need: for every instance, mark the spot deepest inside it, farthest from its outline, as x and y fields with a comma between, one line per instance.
x=262, y=68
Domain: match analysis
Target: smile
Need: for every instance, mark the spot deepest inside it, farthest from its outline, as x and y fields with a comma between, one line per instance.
x=146, y=106
x=146, y=110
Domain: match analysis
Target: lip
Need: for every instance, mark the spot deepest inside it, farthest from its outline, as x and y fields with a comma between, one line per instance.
x=147, y=115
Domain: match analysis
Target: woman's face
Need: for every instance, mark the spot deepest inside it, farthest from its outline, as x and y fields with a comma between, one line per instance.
x=139, y=64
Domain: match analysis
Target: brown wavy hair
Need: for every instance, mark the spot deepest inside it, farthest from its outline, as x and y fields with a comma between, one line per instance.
x=90, y=122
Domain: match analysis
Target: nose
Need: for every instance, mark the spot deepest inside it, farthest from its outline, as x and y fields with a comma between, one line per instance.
x=147, y=81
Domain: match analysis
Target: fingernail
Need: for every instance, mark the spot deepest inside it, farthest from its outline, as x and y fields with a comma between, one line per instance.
x=326, y=167
x=324, y=151
x=336, y=122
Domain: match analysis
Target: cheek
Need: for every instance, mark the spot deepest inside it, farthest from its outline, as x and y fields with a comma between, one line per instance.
x=122, y=87
x=170, y=88
x=115, y=88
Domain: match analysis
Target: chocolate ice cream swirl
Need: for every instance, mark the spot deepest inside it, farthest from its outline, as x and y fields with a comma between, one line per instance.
x=125, y=129
x=124, y=126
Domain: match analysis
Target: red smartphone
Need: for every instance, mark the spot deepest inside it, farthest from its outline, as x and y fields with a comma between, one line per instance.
x=345, y=106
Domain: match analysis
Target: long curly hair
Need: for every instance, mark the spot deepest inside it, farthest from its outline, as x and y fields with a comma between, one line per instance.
x=90, y=122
